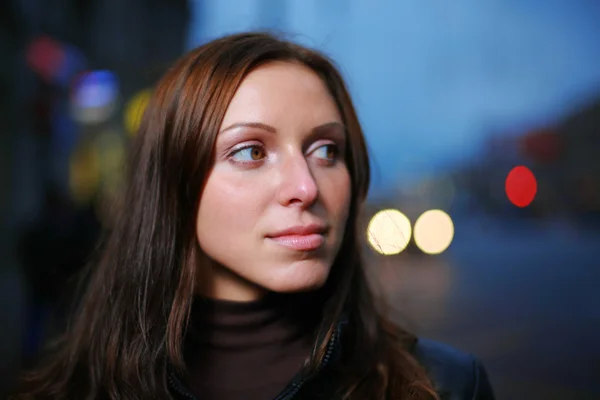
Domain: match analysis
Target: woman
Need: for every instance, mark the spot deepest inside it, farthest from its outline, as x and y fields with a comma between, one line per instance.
x=234, y=270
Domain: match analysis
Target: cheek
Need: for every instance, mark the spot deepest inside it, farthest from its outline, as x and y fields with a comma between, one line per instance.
x=336, y=198
x=227, y=209
x=335, y=193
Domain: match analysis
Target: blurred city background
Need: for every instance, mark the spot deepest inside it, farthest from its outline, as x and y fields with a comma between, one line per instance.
x=452, y=96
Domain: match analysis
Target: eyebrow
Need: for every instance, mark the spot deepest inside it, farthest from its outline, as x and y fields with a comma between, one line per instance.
x=269, y=128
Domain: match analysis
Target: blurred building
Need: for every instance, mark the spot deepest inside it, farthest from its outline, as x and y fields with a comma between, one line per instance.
x=67, y=71
x=564, y=159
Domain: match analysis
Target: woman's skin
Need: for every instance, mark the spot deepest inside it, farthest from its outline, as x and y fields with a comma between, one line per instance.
x=278, y=164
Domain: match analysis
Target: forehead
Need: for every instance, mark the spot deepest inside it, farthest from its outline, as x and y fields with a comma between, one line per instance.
x=280, y=92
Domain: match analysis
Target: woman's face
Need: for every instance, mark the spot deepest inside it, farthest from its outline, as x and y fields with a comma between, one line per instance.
x=273, y=210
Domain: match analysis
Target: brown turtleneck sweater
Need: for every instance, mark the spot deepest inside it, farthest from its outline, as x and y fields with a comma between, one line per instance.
x=248, y=350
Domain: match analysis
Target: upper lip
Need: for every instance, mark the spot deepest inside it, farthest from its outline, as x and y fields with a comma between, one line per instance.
x=301, y=230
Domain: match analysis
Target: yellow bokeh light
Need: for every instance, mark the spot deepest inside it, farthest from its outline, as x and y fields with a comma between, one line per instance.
x=84, y=174
x=389, y=232
x=434, y=231
x=111, y=152
x=135, y=110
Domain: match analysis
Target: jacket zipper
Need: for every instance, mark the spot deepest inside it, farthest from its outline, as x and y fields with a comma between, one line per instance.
x=177, y=386
x=292, y=392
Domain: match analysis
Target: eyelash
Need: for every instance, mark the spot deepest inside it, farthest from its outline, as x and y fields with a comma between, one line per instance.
x=253, y=146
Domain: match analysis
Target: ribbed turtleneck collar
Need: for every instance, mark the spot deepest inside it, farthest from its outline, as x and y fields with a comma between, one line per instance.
x=248, y=350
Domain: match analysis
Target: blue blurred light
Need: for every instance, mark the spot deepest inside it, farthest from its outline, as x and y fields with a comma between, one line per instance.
x=95, y=89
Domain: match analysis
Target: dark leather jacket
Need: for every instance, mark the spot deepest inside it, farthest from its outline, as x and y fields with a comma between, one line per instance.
x=456, y=375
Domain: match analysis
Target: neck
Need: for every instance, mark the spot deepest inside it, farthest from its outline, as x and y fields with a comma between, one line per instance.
x=232, y=346
x=219, y=282
x=279, y=316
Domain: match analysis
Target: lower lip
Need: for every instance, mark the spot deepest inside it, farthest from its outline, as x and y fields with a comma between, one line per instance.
x=300, y=242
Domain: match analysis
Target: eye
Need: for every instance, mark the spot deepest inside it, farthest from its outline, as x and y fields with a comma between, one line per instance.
x=327, y=152
x=250, y=153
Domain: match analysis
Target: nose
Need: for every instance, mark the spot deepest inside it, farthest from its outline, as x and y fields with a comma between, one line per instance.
x=297, y=184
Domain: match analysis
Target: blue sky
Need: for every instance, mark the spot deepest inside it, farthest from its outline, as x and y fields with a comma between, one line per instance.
x=430, y=80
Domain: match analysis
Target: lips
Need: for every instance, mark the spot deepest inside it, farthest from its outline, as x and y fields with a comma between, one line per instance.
x=301, y=237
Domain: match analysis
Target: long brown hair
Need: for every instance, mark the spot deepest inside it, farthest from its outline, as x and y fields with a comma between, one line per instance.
x=130, y=324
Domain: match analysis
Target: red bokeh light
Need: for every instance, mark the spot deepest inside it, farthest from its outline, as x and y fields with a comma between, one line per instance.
x=521, y=186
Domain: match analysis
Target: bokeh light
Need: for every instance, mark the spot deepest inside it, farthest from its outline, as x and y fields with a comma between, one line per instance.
x=521, y=186
x=94, y=96
x=389, y=232
x=45, y=56
x=84, y=174
x=110, y=147
x=434, y=231
x=134, y=110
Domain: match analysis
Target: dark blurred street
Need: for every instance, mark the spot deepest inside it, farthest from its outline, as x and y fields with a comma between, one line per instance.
x=523, y=298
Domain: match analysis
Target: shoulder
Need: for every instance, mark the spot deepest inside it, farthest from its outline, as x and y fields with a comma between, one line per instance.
x=456, y=375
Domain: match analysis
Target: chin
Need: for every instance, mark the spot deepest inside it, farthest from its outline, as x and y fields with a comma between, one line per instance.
x=302, y=276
